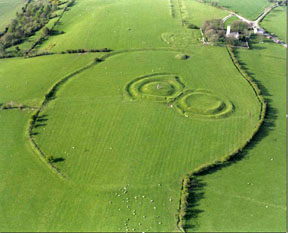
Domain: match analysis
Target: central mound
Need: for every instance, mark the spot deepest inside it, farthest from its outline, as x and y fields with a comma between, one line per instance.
x=156, y=87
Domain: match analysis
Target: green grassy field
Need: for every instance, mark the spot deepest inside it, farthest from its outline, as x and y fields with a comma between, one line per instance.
x=276, y=22
x=247, y=8
x=230, y=21
x=8, y=9
x=203, y=12
x=104, y=114
x=91, y=25
x=32, y=83
x=126, y=129
x=256, y=185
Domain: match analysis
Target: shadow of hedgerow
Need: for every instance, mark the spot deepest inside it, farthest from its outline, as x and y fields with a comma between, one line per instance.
x=197, y=186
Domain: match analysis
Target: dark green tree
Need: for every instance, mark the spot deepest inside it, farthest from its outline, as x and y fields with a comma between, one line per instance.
x=45, y=31
x=2, y=49
x=240, y=26
x=50, y=158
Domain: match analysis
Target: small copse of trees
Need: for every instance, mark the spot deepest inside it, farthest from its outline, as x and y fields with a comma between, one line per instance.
x=103, y=50
x=215, y=33
x=12, y=105
x=32, y=18
x=281, y=3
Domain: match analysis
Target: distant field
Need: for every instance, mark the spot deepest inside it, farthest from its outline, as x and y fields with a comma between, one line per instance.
x=197, y=13
x=43, y=73
x=256, y=185
x=91, y=25
x=250, y=9
x=230, y=21
x=8, y=9
x=276, y=22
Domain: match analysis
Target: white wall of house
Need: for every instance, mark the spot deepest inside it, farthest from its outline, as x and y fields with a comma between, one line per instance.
x=228, y=30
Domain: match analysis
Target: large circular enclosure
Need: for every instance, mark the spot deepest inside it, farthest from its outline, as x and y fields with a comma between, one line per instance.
x=156, y=87
x=203, y=103
x=115, y=141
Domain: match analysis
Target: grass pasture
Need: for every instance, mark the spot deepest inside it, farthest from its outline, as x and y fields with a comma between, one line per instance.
x=247, y=8
x=90, y=24
x=111, y=94
x=254, y=186
x=43, y=72
x=230, y=21
x=8, y=9
x=276, y=22
x=152, y=130
x=196, y=12
x=125, y=127
x=98, y=177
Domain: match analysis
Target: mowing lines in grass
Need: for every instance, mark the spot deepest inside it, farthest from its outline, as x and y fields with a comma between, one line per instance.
x=264, y=166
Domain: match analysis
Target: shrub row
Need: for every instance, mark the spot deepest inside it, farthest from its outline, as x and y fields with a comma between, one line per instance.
x=186, y=182
x=12, y=105
x=183, y=205
x=35, y=53
x=192, y=26
x=46, y=158
x=103, y=50
x=7, y=56
x=250, y=81
x=172, y=10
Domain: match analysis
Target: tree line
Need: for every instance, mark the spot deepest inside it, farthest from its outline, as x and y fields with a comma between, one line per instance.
x=282, y=2
x=31, y=19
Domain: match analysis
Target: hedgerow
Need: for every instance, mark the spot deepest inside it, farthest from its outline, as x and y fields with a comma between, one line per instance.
x=186, y=187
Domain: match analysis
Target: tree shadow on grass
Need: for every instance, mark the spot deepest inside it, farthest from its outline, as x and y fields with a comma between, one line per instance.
x=56, y=32
x=40, y=122
x=71, y=5
x=57, y=160
x=197, y=193
x=267, y=126
x=42, y=119
x=271, y=113
x=34, y=133
x=39, y=125
x=254, y=43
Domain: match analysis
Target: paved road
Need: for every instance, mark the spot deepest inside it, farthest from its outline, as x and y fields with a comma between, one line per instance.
x=255, y=23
